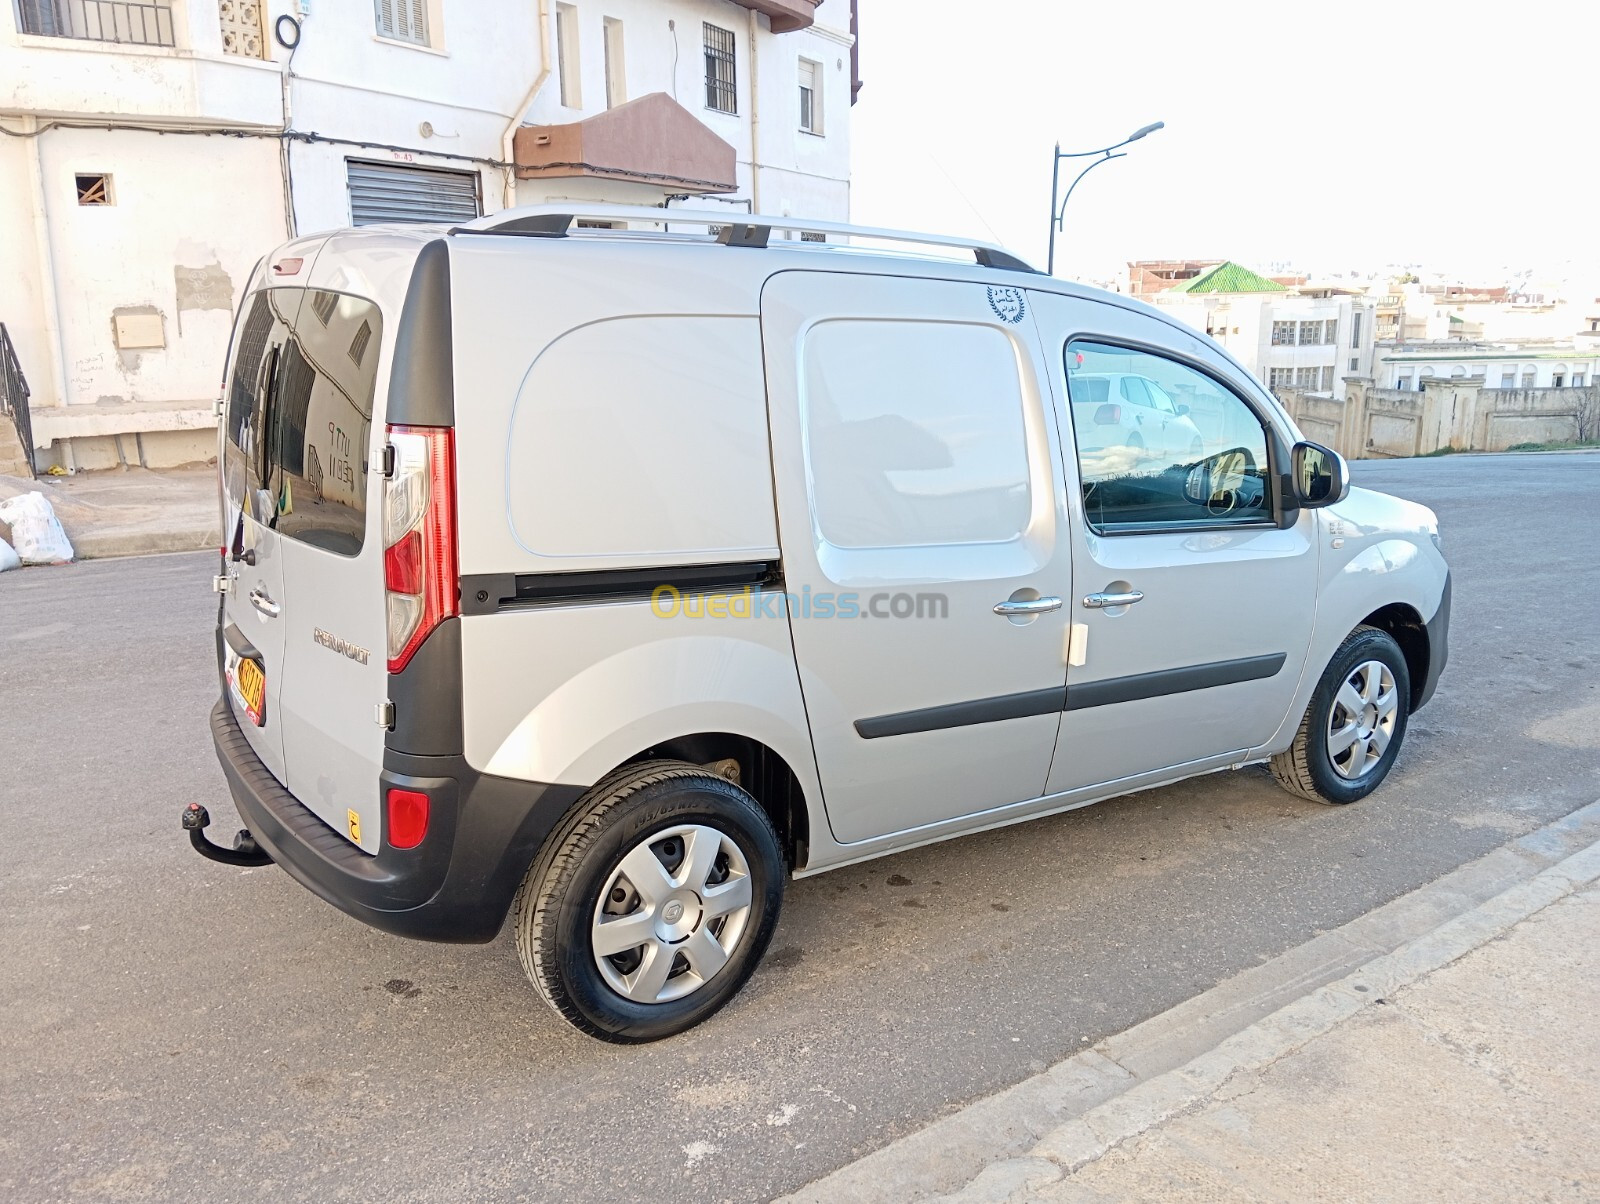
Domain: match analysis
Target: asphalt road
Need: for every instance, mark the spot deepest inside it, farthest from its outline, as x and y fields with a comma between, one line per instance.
x=176, y=1029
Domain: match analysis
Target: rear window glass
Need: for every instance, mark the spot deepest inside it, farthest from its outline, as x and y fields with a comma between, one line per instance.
x=299, y=414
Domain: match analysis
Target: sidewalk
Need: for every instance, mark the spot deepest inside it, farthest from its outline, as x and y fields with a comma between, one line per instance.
x=133, y=511
x=1443, y=1047
x=1481, y=1081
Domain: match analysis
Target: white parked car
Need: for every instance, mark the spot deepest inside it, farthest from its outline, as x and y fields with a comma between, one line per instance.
x=1125, y=411
x=605, y=579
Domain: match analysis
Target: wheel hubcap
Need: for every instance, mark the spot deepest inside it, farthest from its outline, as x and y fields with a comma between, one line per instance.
x=672, y=914
x=1361, y=725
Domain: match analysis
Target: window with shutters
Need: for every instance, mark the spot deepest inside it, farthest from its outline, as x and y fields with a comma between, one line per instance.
x=810, y=96
x=567, y=57
x=403, y=20
x=396, y=192
x=722, y=81
x=616, y=65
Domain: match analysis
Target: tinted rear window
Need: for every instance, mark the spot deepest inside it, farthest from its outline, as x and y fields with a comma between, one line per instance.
x=299, y=414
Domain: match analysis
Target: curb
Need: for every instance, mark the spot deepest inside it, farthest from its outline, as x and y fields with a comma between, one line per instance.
x=113, y=544
x=1050, y=1125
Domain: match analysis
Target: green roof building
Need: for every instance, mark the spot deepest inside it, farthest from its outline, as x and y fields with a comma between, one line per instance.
x=1228, y=277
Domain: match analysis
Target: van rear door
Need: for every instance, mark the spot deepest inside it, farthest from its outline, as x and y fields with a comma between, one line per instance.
x=252, y=614
x=330, y=504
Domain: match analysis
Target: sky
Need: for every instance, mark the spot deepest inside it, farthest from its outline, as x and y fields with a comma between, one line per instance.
x=1339, y=136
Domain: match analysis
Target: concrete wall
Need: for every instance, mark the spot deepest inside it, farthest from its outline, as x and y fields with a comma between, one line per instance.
x=1371, y=422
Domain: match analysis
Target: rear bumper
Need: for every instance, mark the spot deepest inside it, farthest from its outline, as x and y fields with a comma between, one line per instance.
x=458, y=885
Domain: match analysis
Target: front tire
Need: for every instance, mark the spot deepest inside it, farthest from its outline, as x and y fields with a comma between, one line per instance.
x=652, y=904
x=1353, y=726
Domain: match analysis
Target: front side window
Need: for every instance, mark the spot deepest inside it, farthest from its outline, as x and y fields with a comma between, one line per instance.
x=915, y=434
x=722, y=87
x=1203, y=464
x=403, y=20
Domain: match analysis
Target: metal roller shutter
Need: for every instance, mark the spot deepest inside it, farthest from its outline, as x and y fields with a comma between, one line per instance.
x=388, y=192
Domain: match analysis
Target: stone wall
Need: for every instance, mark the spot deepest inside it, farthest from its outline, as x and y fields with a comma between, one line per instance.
x=1369, y=422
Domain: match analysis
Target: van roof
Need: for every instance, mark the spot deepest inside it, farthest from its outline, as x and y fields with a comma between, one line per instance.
x=585, y=221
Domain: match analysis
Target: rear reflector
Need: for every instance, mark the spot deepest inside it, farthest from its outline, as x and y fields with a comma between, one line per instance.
x=408, y=818
x=420, y=575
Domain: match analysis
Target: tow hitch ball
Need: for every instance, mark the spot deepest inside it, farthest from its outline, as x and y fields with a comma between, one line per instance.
x=245, y=851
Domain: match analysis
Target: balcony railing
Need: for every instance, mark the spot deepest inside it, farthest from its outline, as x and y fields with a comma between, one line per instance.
x=14, y=397
x=136, y=24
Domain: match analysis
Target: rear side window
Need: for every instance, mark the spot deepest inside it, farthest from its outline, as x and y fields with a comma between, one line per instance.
x=299, y=414
x=914, y=434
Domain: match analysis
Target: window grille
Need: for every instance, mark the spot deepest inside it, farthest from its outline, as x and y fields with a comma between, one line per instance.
x=722, y=86
x=136, y=24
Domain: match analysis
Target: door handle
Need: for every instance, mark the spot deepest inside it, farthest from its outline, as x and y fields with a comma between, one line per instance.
x=1028, y=606
x=1105, y=601
x=264, y=604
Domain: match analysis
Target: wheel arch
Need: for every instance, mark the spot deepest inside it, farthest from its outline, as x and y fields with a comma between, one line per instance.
x=762, y=772
x=1407, y=628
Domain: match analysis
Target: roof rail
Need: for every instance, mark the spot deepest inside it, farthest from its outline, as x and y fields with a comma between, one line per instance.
x=733, y=229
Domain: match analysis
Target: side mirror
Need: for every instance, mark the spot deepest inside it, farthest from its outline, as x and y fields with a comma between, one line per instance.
x=1320, y=475
x=1182, y=410
x=1108, y=415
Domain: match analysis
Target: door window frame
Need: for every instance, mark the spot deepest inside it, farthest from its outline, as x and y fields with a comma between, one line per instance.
x=1285, y=511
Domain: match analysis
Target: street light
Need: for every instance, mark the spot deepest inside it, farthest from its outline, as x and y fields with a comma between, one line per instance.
x=1058, y=215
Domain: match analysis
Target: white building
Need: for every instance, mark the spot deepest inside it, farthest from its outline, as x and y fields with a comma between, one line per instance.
x=1494, y=366
x=162, y=147
x=1302, y=337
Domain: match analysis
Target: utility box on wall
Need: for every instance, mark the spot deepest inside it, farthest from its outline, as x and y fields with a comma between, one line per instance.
x=139, y=332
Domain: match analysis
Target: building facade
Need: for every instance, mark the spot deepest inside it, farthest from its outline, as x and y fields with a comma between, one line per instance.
x=1301, y=337
x=1410, y=366
x=155, y=150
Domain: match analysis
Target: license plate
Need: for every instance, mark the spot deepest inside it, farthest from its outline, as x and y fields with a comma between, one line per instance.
x=248, y=679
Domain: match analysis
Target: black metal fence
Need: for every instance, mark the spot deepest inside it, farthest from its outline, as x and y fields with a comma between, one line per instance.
x=14, y=397
x=140, y=24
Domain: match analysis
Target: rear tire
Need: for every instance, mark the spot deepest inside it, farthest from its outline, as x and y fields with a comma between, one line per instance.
x=651, y=905
x=1353, y=726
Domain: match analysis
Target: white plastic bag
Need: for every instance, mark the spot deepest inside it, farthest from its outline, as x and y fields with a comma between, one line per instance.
x=8, y=558
x=35, y=529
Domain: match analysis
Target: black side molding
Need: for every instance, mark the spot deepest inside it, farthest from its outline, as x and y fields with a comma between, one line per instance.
x=1072, y=698
x=1173, y=681
x=422, y=381
x=486, y=593
x=963, y=714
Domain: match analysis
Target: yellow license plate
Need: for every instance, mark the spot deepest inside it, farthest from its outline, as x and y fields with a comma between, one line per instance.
x=250, y=680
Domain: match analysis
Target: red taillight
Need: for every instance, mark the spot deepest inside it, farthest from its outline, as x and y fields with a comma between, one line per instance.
x=408, y=818
x=420, y=574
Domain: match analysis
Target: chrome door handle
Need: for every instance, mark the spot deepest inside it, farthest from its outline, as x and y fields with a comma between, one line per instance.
x=1104, y=601
x=1028, y=606
x=264, y=604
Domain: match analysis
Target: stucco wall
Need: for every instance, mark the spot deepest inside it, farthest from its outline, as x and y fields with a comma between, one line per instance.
x=1370, y=421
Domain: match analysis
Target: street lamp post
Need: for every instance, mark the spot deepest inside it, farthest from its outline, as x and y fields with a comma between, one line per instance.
x=1058, y=214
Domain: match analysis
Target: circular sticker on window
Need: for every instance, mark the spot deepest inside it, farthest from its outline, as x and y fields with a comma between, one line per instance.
x=1007, y=304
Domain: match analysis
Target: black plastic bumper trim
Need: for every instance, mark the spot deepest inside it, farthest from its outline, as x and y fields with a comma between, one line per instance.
x=1438, y=648
x=458, y=885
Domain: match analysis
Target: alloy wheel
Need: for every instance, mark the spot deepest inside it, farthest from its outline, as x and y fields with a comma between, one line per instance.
x=1361, y=723
x=672, y=914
